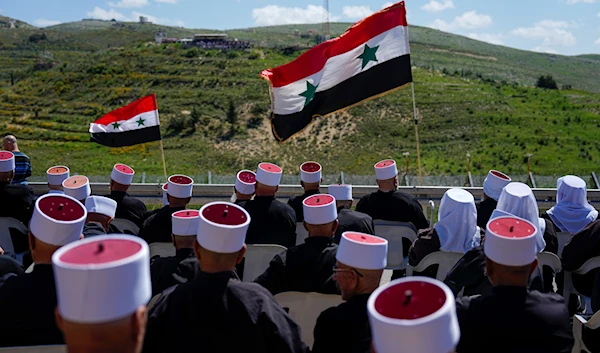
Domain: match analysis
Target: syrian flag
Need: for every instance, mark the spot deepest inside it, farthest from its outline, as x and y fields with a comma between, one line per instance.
x=370, y=59
x=130, y=125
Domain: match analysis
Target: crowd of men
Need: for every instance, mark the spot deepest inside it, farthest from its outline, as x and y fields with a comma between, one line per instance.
x=91, y=285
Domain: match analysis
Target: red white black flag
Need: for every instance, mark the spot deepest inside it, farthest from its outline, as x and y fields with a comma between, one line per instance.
x=130, y=125
x=370, y=59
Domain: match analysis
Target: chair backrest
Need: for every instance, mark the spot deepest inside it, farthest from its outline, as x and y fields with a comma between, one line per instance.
x=153, y=301
x=578, y=323
x=162, y=249
x=563, y=239
x=394, y=232
x=36, y=349
x=258, y=257
x=6, y=223
x=30, y=268
x=301, y=233
x=568, y=287
x=546, y=258
x=126, y=226
x=305, y=308
x=444, y=260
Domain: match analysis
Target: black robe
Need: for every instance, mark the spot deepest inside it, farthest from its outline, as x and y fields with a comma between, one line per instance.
x=218, y=313
x=92, y=229
x=353, y=221
x=271, y=222
x=514, y=319
x=344, y=328
x=158, y=227
x=427, y=242
x=307, y=267
x=169, y=271
x=27, y=304
x=393, y=206
x=485, y=209
x=129, y=207
x=9, y=265
x=296, y=203
x=17, y=202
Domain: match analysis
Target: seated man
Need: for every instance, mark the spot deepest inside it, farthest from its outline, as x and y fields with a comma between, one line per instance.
x=78, y=187
x=101, y=212
x=183, y=267
x=157, y=228
x=22, y=161
x=102, y=287
x=308, y=267
x=492, y=188
x=310, y=180
x=413, y=315
x=245, y=183
x=128, y=207
x=533, y=321
x=361, y=259
x=56, y=175
x=349, y=221
x=29, y=300
x=17, y=199
x=215, y=310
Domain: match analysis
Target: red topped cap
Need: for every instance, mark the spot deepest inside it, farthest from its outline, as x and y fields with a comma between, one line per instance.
x=165, y=186
x=101, y=252
x=270, y=167
x=75, y=181
x=57, y=170
x=180, y=179
x=5, y=155
x=247, y=177
x=187, y=214
x=499, y=174
x=509, y=227
x=125, y=169
x=319, y=200
x=61, y=208
x=225, y=214
x=410, y=300
x=310, y=167
x=363, y=238
x=385, y=163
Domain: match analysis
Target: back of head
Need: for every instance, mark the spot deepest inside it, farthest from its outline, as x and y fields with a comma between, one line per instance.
x=268, y=177
x=572, y=211
x=7, y=167
x=494, y=183
x=184, y=226
x=179, y=190
x=457, y=222
x=121, y=177
x=10, y=143
x=320, y=215
x=56, y=175
x=342, y=194
x=386, y=174
x=101, y=209
x=310, y=175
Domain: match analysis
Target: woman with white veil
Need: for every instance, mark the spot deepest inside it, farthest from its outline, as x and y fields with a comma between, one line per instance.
x=572, y=211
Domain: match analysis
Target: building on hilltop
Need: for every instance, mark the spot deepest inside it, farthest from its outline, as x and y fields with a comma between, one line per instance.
x=214, y=41
x=160, y=36
x=144, y=20
x=12, y=23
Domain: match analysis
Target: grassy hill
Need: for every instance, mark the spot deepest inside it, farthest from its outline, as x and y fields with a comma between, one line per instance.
x=472, y=96
x=4, y=22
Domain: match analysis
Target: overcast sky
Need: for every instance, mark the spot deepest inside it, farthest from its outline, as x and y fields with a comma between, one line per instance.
x=557, y=26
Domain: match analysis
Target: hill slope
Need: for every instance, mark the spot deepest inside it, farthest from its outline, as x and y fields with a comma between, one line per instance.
x=4, y=22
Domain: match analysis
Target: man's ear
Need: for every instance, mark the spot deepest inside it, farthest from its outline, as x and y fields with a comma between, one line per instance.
x=305, y=227
x=277, y=188
x=189, y=199
x=534, y=265
x=197, y=250
x=241, y=254
x=81, y=236
x=336, y=223
x=31, y=240
x=58, y=319
x=138, y=324
x=173, y=239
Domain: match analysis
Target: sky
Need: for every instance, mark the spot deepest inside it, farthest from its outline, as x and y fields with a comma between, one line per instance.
x=568, y=27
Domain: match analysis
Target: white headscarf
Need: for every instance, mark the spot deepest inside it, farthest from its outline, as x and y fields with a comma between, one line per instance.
x=494, y=183
x=457, y=225
x=572, y=211
x=518, y=199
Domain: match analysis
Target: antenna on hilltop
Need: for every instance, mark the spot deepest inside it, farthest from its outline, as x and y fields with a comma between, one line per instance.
x=326, y=29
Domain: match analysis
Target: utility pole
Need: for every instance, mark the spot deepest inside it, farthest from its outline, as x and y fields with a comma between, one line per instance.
x=326, y=29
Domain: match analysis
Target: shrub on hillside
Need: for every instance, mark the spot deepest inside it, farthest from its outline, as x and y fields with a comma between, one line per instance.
x=38, y=37
x=546, y=81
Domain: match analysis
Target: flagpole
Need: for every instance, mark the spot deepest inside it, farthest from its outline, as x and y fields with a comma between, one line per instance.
x=162, y=152
x=412, y=87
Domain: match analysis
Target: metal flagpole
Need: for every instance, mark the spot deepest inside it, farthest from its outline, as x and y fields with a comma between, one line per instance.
x=162, y=152
x=412, y=87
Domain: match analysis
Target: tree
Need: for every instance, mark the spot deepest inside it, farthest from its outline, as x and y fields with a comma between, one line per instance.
x=546, y=81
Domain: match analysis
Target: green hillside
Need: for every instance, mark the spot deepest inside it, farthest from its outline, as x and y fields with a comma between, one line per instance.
x=4, y=23
x=472, y=97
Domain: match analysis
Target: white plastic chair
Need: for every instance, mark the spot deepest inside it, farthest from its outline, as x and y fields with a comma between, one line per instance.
x=394, y=232
x=305, y=309
x=36, y=349
x=258, y=257
x=444, y=260
x=126, y=226
x=301, y=233
x=30, y=268
x=578, y=323
x=568, y=287
x=162, y=249
x=6, y=223
x=153, y=301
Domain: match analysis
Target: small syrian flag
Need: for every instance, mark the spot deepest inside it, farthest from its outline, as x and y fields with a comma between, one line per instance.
x=130, y=125
x=370, y=59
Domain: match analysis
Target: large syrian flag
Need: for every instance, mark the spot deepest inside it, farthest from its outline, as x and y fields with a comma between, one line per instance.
x=130, y=125
x=370, y=59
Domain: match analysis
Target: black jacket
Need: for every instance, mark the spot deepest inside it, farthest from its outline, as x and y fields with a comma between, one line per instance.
x=485, y=209
x=271, y=222
x=17, y=202
x=158, y=227
x=169, y=271
x=129, y=207
x=393, y=206
x=353, y=221
x=307, y=267
x=296, y=203
x=91, y=229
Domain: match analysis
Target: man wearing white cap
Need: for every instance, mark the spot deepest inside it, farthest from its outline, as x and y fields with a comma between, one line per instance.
x=245, y=183
x=513, y=318
x=361, y=259
x=492, y=188
x=17, y=199
x=28, y=301
x=183, y=267
x=310, y=180
x=216, y=312
x=128, y=207
x=56, y=175
x=349, y=220
x=273, y=222
x=308, y=267
x=158, y=226
x=78, y=187
x=102, y=287
x=101, y=212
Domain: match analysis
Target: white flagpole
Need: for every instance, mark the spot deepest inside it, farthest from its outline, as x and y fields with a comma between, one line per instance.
x=412, y=87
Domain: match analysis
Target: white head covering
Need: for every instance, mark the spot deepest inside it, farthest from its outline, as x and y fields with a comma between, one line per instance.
x=7, y=161
x=572, y=211
x=310, y=172
x=245, y=182
x=57, y=219
x=510, y=241
x=494, y=183
x=341, y=192
x=319, y=209
x=268, y=174
x=185, y=222
x=385, y=169
x=518, y=200
x=122, y=174
x=413, y=315
x=180, y=186
x=57, y=174
x=222, y=227
x=362, y=251
x=77, y=186
x=457, y=222
x=102, y=205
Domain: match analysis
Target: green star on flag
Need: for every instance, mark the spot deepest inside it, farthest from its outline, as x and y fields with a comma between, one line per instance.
x=368, y=55
x=116, y=125
x=140, y=122
x=310, y=92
